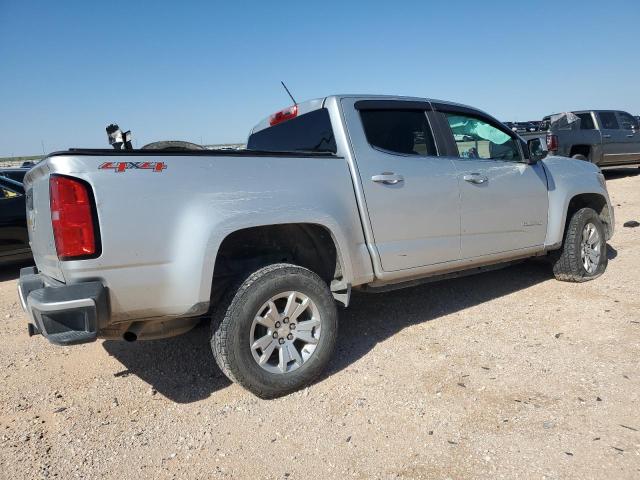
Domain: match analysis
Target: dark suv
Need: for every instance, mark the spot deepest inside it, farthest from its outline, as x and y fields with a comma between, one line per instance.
x=14, y=239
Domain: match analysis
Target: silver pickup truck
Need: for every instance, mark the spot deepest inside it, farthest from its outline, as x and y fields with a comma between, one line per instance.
x=334, y=194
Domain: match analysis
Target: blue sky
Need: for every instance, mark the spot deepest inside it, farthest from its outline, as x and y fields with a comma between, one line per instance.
x=211, y=70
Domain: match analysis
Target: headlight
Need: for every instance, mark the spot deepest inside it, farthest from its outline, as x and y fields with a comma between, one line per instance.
x=602, y=180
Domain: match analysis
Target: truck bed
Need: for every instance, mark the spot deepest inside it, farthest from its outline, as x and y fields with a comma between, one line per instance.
x=159, y=229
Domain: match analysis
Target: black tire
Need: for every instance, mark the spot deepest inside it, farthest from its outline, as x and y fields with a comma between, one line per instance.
x=567, y=262
x=579, y=156
x=232, y=323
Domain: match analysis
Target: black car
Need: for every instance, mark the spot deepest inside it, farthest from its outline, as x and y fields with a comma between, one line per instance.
x=14, y=239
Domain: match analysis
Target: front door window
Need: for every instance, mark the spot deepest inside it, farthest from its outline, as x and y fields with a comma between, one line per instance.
x=478, y=139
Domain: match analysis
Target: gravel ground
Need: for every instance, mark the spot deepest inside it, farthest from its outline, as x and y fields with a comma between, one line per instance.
x=508, y=374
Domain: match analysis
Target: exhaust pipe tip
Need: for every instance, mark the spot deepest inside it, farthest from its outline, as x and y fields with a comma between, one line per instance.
x=129, y=336
x=32, y=330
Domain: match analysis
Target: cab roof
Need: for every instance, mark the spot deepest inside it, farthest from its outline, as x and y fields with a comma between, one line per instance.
x=316, y=103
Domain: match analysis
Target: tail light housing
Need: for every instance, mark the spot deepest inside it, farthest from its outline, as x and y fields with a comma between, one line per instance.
x=552, y=142
x=73, y=218
x=283, y=115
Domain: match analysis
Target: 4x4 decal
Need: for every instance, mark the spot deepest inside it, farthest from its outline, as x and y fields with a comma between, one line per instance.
x=120, y=167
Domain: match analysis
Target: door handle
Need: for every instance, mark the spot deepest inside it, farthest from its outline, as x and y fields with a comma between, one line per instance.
x=630, y=136
x=388, y=178
x=475, y=178
x=606, y=136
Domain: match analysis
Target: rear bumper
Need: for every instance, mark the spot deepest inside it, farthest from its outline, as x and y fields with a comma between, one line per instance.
x=63, y=314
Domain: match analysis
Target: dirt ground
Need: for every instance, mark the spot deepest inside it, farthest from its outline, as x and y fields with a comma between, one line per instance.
x=508, y=374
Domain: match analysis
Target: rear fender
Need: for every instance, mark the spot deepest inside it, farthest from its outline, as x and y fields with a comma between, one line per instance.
x=234, y=224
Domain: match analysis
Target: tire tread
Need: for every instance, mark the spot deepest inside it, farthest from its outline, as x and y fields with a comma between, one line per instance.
x=227, y=311
x=567, y=266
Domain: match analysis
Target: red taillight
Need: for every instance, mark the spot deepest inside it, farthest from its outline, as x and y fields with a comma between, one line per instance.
x=72, y=218
x=552, y=143
x=283, y=115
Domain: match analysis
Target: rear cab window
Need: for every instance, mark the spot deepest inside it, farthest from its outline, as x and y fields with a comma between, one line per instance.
x=310, y=132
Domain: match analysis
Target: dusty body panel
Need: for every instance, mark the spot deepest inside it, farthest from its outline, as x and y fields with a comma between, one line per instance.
x=568, y=178
x=160, y=231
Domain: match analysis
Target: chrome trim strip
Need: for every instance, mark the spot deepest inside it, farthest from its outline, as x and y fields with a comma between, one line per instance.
x=58, y=306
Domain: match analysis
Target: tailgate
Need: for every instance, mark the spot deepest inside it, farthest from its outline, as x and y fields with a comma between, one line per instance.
x=39, y=221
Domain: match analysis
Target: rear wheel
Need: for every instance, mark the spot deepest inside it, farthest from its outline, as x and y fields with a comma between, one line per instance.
x=583, y=255
x=276, y=331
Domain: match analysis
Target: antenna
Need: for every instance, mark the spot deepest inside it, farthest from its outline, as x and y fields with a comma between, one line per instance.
x=289, y=93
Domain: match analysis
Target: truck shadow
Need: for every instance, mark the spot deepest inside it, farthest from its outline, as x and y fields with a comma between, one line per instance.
x=611, y=174
x=183, y=370
x=372, y=318
x=180, y=368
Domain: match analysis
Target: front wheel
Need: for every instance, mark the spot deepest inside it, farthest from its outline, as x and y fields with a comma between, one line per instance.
x=276, y=331
x=583, y=255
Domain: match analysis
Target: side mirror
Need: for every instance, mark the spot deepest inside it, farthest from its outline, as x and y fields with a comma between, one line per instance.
x=537, y=150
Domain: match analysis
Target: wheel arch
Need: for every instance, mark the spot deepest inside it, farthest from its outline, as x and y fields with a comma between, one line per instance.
x=317, y=246
x=594, y=200
x=581, y=150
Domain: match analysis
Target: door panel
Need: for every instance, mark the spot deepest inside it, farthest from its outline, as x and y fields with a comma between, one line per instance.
x=416, y=222
x=504, y=202
x=613, y=139
x=630, y=138
x=507, y=211
x=411, y=195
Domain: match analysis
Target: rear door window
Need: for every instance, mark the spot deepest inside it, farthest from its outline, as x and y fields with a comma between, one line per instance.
x=586, y=121
x=404, y=132
x=609, y=120
x=310, y=132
